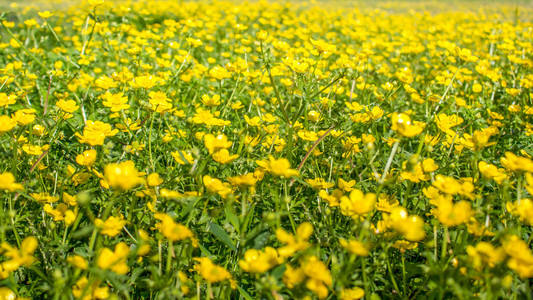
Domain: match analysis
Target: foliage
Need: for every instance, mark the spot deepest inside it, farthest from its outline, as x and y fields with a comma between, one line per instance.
x=169, y=149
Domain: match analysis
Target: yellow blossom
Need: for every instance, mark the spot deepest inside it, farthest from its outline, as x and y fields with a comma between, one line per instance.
x=484, y=255
x=82, y=287
x=122, y=176
x=357, y=204
x=87, y=158
x=256, y=261
x=112, y=226
x=116, y=260
x=278, y=167
x=355, y=247
x=211, y=272
x=8, y=183
x=6, y=124
x=294, y=243
x=174, y=231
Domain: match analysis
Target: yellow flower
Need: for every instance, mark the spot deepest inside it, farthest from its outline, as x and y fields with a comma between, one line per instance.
x=95, y=2
x=68, y=106
x=194, y=42
x=255, y=121
x=116, y=260
x=445, y=122
x=294, y=243
x=243, y=180
x=6, y=100
x=319, y=183
x=17, y=257
x=465, y=54
x=45, y=14
x=222, y=156
x=8, y=183
x=352, y=294
x=386, y=203
x=452, y=214
x=211, y=101
x=515, y=163
x=318, y=276
x=261, y=35
x=94, y=291
x=174, y=231
x=44, y=197
x=78, y=262
x=322, y=46
x=211, y=272
x=477, y=88
x=524, y=210
x=292, y=276
x=95, y=133
x=403, y=245
x=58, y=213
x=346, y=186
x=401, y=123
x=256, y=261
x=24, y=116
x=146, y=82
x=123, y=176
x=484, y=255
x=521, y=257
x=334, y=199
x=182, y=158
x=215, y=144
x=112, y=226
x=355, y=247
x=451, y=186
x=216, y=186
x=6, y=124
x=428, y=165
x=116, y=102
x=34, y=149
x=160, y=102
x=357, y=204
x=219, y=73
x=87, y=158
x=278, y=167
x=153, y=180
x=412, y=227
x=492, y=172
x=7, y=294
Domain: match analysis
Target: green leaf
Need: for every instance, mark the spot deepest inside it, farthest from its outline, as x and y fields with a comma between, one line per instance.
x=222, y=235
x=248, y=218
x=205, y=251
x=83, y=232
x=232, y=218
x=244, y=293
x=258, y=236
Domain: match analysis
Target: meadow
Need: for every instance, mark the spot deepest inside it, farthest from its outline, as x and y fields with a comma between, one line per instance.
x=266, y=150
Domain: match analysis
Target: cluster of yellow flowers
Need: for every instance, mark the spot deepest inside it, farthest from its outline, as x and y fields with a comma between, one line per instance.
x=266, y=150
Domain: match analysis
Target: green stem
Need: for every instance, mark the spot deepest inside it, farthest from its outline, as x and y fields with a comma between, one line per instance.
x=170, y=251
x=404, y=280
x=279, y=98
x=444, y=243
x=390, y=271
x=132, y=207
x=150, y=142
x=87, y=43
x=389, y=161
x=365, y=280
x=55, y=35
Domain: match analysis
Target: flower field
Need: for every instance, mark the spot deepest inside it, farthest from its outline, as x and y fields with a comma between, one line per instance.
x=262, y=150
